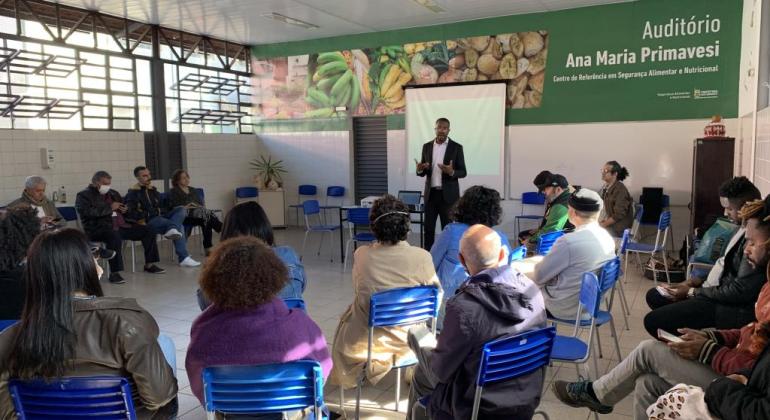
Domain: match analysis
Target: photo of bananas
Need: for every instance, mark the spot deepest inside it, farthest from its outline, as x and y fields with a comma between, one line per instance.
x=371, y=81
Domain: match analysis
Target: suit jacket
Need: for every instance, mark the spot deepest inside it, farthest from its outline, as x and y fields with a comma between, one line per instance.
x=449, y=184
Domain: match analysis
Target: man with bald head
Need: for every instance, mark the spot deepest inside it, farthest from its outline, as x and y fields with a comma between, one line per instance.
x=495, y=301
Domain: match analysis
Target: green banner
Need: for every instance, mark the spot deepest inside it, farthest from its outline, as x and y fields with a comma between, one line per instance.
x=643, y=60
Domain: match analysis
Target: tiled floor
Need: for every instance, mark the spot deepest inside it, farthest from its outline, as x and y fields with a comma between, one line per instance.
x=171, y=300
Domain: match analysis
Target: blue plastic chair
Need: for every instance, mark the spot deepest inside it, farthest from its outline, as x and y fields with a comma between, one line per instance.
x=546, y=241
x=357, y=217
x=311, y=208
x=397, y=307
x=512, y=357
x=303, y=192
x=246, y=194
x=519, y=253
x=106, y=397
x=532, y=198
x=295, y=303
x=68, y=213
x=264, y=389
x=5, y=323
x=621, y=253
x=572, y=349
x=335, y=198
x=659, y=247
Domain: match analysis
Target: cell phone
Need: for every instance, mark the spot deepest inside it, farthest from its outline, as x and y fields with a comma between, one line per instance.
x=668, y=337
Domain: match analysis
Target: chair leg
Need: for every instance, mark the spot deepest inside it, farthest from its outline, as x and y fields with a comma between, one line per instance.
x=615, y=338
x=639, y=262
x=347, y=248
x=596, y=363
x=320, y=243
x=398, y=386
x=342, y=399
x=133, y=257
x=654, y=269
x=304, y=242
x=624, y=309
x=665, y=267
x=358, y=395
x=599, y=344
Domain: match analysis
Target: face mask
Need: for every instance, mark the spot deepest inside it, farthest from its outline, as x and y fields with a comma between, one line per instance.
x=104, y=189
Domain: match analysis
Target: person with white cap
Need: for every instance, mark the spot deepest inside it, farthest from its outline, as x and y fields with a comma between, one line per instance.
x=560, y=273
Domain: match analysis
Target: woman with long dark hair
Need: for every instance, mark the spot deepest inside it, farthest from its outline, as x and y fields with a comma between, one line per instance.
x=68, y=328
x=249, y=219
x=191, y=198
x=618, y=209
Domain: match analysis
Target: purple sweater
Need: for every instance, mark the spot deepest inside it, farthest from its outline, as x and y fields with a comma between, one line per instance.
x=269, y=333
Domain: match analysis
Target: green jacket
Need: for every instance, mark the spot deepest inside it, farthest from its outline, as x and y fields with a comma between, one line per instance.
x=556, y=217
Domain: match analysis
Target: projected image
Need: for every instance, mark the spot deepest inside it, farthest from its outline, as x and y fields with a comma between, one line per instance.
x=370, y=81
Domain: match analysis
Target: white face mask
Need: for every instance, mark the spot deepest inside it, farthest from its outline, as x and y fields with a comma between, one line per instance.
x=104, y=189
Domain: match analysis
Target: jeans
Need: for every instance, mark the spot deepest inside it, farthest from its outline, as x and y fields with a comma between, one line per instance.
x=169, y=350
x=649, y=371
x=173, y=220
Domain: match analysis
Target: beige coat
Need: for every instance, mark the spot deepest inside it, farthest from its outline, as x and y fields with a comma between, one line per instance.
x=377, y=268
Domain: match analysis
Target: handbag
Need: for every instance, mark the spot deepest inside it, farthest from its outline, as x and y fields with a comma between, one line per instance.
x=684, y=402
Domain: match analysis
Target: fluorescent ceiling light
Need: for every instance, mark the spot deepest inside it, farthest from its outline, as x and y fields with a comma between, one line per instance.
x=291, y=21
x=431, y=5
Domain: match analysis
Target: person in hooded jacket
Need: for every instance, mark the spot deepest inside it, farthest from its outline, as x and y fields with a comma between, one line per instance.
x=494, y=301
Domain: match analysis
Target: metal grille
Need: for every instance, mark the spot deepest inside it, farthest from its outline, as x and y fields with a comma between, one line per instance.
x=371, y=156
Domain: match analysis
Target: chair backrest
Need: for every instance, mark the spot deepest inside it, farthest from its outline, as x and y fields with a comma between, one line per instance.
x=201, y=195
x=609, y=274
x=310, y=207
x=403, y=306
x=624, y=242
x=638, y=214
x=519, y=253
x=410, y=198
x=5, y=323
x=68, y=213
x=246, y=192
x=664, y=221
x=666, y=201
x=107, y=397
x=295, y=303
x=307, y=189
x=359, y=216
x=533, y=198
x=270, y=388
x=514, y=356
x=546, y=241
x=164, y=201
x=589, y=294
x=335, y=191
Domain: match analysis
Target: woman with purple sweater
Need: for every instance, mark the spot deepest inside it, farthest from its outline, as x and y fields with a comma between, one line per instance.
x=247, y=323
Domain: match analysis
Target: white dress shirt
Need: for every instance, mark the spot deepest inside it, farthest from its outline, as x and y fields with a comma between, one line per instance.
x=439, y=150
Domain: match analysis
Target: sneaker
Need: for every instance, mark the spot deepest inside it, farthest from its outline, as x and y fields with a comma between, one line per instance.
x=101, y=252
x=576, y=394
x=173, y=234
x=189, y=262
x=154, y=269
x=116, y=278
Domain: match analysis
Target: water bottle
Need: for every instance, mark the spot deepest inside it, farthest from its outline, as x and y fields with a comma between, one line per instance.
x=62, y=195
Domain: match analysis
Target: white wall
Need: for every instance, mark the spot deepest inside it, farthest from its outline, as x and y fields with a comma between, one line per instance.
x=219, y=163
x=762, y=158
x=657, y=153
x=78, y=155
x=318, y=158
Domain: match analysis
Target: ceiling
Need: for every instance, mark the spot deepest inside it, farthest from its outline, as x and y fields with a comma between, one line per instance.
x=241, y=21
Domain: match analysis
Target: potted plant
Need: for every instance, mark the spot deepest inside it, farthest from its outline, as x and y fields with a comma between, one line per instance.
x=268, y=172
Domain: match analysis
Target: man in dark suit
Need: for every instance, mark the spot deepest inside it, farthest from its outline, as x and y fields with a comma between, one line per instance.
x=442, y=164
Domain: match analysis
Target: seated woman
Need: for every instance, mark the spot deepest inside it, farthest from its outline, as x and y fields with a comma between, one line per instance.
x=18, y=228
x=478, y=205
x=182, y=194
x=247, y=323
x=249, y=219
x=68, y=328
x=389, y=263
